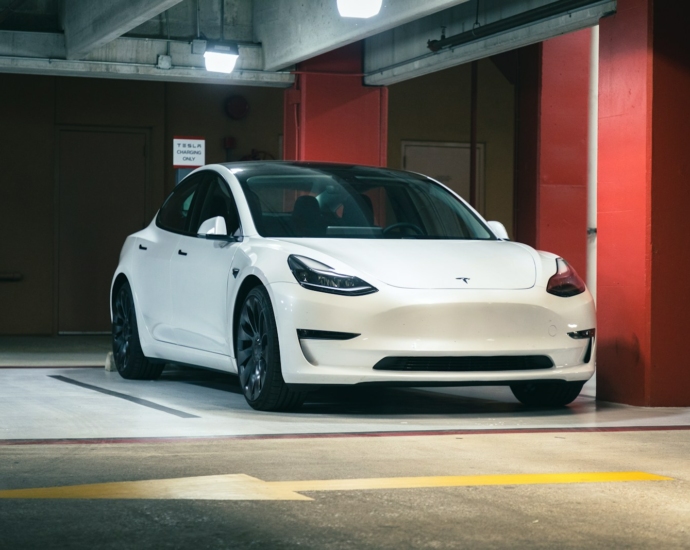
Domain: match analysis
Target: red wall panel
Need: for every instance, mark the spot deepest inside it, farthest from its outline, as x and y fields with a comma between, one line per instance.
x=562, y=214
x=331, y=116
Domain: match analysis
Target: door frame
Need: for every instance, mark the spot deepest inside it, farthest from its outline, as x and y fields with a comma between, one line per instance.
x=58, y=129
x=481, y=149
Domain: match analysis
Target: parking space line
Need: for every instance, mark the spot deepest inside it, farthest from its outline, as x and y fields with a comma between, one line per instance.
x=137, y=400
x=243, y=487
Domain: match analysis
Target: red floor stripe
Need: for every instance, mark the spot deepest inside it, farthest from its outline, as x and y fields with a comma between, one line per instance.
x=193, y=439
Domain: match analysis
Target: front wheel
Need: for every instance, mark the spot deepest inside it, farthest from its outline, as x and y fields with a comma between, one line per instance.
x=547, y=394
x=129, y=358
x=258, y=357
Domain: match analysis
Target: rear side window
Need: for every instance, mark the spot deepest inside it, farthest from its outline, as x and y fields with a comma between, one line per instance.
x=176, y=212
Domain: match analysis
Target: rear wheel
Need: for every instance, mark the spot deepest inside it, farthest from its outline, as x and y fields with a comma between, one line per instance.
x=547, y=394
x=258, y=357
x=129, y=358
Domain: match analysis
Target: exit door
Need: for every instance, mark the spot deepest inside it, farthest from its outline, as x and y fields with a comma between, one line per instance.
x=102, y=180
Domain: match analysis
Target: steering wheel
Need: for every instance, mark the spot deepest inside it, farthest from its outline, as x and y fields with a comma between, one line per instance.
x=406, y=225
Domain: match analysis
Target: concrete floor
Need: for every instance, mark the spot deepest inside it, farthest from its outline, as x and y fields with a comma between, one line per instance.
x=62, y=351
x=374, y=468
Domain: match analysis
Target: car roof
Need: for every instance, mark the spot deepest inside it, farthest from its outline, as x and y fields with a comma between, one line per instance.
x=260, y=165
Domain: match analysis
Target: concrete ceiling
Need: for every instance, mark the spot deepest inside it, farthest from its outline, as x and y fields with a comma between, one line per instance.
x=124, y=38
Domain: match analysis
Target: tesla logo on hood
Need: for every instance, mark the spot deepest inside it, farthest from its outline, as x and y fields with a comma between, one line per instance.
x=464, y=279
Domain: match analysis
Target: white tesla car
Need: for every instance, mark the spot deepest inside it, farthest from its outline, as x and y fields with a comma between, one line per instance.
x=299, y=275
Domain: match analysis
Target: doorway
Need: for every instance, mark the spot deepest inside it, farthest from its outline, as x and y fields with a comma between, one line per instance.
x=102, y=178
x=448, y=163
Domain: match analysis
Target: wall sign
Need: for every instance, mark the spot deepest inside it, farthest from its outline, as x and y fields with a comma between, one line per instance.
x=189, y=152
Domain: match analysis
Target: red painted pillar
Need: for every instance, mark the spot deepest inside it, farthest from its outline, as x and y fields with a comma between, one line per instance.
x=644, y=193
x=331, y=116
x=551, y=147
x=562, y=212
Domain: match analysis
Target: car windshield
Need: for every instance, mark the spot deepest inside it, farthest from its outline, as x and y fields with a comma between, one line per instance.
x=331, y=201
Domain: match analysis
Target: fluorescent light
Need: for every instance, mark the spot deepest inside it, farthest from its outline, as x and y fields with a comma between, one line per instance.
x=362, y=9
x=220, y=57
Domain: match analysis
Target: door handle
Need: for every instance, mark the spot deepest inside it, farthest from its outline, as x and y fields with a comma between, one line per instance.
x=141, y=247
x=181, y=253
x=11, y=277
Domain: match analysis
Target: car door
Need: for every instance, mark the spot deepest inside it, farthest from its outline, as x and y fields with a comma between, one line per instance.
x=155, y=248
x=201, y=274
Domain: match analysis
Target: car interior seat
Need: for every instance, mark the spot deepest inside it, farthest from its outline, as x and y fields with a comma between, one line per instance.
x=306, y=217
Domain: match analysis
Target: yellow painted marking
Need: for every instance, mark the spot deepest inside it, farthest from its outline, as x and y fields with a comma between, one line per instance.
x=223, y=487
x=462, y=481
x=243, y=487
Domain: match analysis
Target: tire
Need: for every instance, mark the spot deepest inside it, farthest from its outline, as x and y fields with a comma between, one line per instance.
x=258, y=357
x=547, y=394
x=129, y=358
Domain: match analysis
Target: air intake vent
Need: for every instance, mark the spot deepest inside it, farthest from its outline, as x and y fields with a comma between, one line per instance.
x=466, y=364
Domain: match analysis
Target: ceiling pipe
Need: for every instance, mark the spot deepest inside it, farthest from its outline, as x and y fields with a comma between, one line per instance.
x=554, y=9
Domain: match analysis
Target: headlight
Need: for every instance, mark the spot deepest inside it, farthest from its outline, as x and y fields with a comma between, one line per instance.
x=566, y=282
x=320, y=277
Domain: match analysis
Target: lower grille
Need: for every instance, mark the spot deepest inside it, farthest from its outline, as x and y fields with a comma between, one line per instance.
x=466, y=364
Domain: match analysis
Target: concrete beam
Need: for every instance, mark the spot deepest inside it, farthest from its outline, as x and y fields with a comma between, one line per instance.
x=129, y=71
x=89, y=25
x=292, y=31
x=32, y=44
x=133, y=58
x=402, y=53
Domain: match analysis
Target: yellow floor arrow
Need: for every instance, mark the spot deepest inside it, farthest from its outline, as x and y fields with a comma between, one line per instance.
x=243, y=487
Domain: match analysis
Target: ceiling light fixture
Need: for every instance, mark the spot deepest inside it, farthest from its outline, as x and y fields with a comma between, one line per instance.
x=362, y=9
x=220, y=57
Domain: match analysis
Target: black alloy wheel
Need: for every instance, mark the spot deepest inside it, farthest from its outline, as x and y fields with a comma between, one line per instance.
x=547, y=394
x=129, y=358
x=258, y=356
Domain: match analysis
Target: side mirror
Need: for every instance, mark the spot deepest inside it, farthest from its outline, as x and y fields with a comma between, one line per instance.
x=499, y=230
x=214, y=229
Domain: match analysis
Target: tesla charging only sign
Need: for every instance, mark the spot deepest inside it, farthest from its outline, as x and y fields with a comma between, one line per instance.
x=189, y=152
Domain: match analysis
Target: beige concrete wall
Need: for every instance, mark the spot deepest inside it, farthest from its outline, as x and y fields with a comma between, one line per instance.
x=32, y=108
x=436, y=107
x=198, y=110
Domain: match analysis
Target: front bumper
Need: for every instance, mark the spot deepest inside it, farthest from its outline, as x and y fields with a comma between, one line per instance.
x=397, y=322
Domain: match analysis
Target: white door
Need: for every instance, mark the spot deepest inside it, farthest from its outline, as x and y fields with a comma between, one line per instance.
x=201, y=276
x=201, y=273
x=448, y=163
x=155, y=248
x=152, y=282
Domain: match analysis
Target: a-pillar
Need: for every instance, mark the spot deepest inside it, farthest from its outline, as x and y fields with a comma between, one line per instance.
x=330, y=115
x=644, y=198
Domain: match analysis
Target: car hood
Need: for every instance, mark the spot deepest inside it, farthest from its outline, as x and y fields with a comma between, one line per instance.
x=408, y=263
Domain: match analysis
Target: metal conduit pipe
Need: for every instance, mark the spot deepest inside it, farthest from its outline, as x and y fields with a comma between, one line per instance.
x=525, y=18
x=592, y=161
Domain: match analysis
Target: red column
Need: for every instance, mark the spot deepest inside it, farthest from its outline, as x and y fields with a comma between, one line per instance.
x=562, y=213
x=331, y=116
x=551, y=147
x=644, y=193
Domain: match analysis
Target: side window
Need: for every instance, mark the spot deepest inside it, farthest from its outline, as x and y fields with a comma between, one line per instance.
x=219, y=202
x=177, y=210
